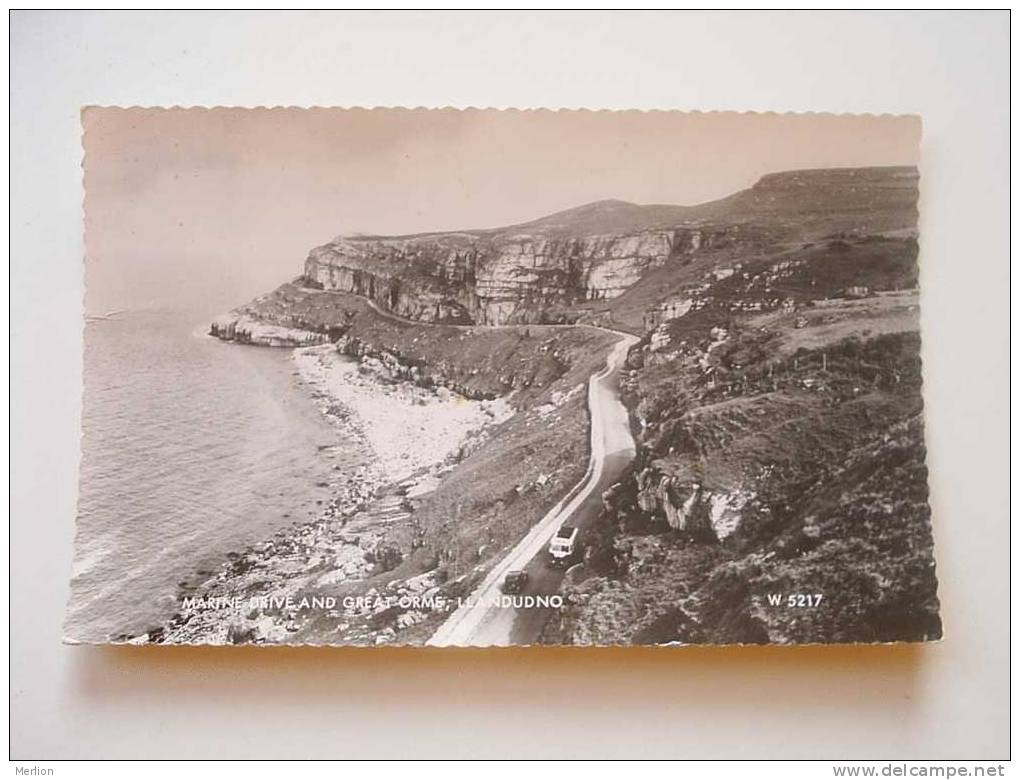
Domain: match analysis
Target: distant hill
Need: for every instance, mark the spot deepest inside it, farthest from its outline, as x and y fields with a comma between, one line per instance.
x=888, y=194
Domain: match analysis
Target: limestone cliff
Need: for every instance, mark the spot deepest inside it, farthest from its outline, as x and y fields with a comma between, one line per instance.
x=493, y=279
x=547, y=270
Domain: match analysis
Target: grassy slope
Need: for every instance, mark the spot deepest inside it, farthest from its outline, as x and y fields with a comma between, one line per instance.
x=814, y=415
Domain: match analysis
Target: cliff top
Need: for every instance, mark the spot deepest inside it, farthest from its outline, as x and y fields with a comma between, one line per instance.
x=785, y=197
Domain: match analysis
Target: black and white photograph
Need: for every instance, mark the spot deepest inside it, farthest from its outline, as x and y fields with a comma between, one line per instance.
x=473, y=378
x=535, y=385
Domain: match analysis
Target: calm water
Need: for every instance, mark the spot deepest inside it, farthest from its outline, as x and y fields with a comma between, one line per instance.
x=192, y=448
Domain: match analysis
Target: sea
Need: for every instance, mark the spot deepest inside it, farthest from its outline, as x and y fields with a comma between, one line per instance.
x=192, y=448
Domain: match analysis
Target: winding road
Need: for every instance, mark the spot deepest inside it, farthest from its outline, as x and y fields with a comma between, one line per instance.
x=480, y=621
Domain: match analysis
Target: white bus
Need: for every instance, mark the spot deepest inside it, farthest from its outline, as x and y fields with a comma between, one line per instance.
x=564, y=544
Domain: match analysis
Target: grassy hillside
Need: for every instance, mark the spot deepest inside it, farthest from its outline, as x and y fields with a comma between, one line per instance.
x=781, y=453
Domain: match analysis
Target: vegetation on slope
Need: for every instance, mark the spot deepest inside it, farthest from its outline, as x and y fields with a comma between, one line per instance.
x=781, y=453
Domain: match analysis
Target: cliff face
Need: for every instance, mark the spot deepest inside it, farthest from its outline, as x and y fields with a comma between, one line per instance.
x=496, y=279
x=553, y=269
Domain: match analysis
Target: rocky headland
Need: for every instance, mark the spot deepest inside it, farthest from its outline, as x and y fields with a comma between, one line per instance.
x=564, y=267
x=775, y=398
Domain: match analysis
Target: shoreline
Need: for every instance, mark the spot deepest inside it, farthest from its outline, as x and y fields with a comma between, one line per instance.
x=415, y=436
x=410, y=428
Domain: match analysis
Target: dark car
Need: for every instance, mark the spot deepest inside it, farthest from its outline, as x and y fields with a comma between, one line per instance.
x=514, y=581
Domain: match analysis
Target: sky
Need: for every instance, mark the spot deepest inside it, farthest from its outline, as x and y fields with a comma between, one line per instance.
x=206, y=208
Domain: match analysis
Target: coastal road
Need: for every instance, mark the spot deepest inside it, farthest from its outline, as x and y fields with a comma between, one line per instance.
x=480, y=622
x=387, y=314
x=474, y=326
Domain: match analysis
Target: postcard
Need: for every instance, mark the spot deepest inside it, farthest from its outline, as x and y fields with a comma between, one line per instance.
x=442, y=377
